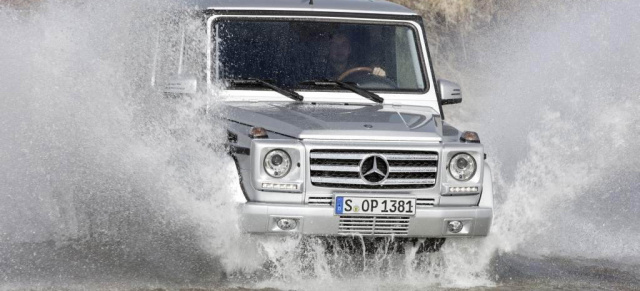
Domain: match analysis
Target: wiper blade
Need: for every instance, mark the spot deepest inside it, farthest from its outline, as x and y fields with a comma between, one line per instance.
x=353, y=88
x=255, y=81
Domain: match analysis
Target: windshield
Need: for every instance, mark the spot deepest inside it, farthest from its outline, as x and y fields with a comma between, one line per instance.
x=382, y=57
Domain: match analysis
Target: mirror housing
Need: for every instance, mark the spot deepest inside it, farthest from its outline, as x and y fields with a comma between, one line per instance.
x=181, y=85
x=450, y=92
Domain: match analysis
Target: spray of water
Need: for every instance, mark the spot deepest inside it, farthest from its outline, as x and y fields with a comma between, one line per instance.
x=120, y=179
x=101, y=174
x=559, y=125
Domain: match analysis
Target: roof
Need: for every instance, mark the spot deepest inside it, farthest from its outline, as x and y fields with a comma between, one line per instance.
x=348, y=6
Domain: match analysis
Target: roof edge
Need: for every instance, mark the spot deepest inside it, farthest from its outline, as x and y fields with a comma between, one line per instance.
x=312, y=10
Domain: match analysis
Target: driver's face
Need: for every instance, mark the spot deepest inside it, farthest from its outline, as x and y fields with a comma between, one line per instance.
x=339, y=49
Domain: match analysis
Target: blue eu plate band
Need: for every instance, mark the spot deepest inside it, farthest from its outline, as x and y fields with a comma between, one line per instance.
x=339, y=204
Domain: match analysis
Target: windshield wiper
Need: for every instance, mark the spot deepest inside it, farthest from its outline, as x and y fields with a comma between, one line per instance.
x=353, y=88
x=259, y=82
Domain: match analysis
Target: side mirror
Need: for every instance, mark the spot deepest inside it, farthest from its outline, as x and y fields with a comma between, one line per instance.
x=450, y=92
x=181, y=85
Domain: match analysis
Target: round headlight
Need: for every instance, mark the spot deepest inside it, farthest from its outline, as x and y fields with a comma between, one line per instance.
x=462, y=167
x=277, y=163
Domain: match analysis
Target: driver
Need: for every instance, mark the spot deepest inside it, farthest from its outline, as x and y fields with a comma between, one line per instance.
x=339, y=57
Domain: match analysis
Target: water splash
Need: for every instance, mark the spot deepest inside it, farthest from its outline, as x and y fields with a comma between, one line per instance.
x=557, y=110
x=119, y=178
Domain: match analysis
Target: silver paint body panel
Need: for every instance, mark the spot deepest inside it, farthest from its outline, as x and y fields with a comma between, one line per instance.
x=341, y=121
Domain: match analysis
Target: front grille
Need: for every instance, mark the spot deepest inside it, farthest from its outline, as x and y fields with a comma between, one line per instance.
x=320, y=200
x=328, y=201
x=374, y=225
x=425, y=202
x=341, y=169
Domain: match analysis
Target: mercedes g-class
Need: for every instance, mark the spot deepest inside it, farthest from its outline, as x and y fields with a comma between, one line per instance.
x=335, y=121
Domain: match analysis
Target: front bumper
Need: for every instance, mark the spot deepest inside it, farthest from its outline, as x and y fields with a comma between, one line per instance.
x=261, y=218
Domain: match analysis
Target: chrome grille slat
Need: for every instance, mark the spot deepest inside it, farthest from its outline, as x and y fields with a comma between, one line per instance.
x=338, y=156
x=320, y=200
x=411, y=157
x=378, y=227
x=378, y=223
x=356, y=169
x=425, y=202
x=409, y=181
x=335, y=168
x=360, y=156
x=397, y=233
x=380, y=232
x=388, y=223
x=370, y=218
x=374, y=225
x=341, y=169
x=413, y=169
x=358, y=181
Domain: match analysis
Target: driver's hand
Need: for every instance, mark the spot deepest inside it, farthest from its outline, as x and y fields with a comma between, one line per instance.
x=377, y=71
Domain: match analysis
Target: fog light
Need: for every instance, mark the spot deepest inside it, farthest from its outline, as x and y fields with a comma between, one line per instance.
x=455, y=226
x=287, y=223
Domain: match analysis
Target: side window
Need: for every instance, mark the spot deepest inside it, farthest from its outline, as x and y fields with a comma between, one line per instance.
x=194, y=50
x=166, y=55
x=180, y=50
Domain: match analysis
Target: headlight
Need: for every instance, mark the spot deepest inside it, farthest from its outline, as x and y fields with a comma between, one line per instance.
x=277, y=163
x=462, y=167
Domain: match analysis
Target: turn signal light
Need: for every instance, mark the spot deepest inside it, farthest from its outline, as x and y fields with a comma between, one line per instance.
x=470, y=136
x=258, y=132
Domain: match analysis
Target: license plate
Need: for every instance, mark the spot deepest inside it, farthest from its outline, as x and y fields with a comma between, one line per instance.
x=375, y=206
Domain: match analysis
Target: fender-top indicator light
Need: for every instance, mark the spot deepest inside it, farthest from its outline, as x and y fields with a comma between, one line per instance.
x=258, y=132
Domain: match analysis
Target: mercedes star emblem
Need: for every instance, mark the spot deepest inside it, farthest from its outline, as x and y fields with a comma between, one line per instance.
x=374, y=169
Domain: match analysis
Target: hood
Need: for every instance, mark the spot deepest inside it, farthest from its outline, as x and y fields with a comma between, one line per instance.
x=340, y=121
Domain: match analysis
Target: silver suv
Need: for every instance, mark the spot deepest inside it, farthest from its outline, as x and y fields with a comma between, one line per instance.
x=335, y=121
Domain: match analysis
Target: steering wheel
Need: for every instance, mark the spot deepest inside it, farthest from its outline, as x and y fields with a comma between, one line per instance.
x=355, y=70
x=364, y=77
